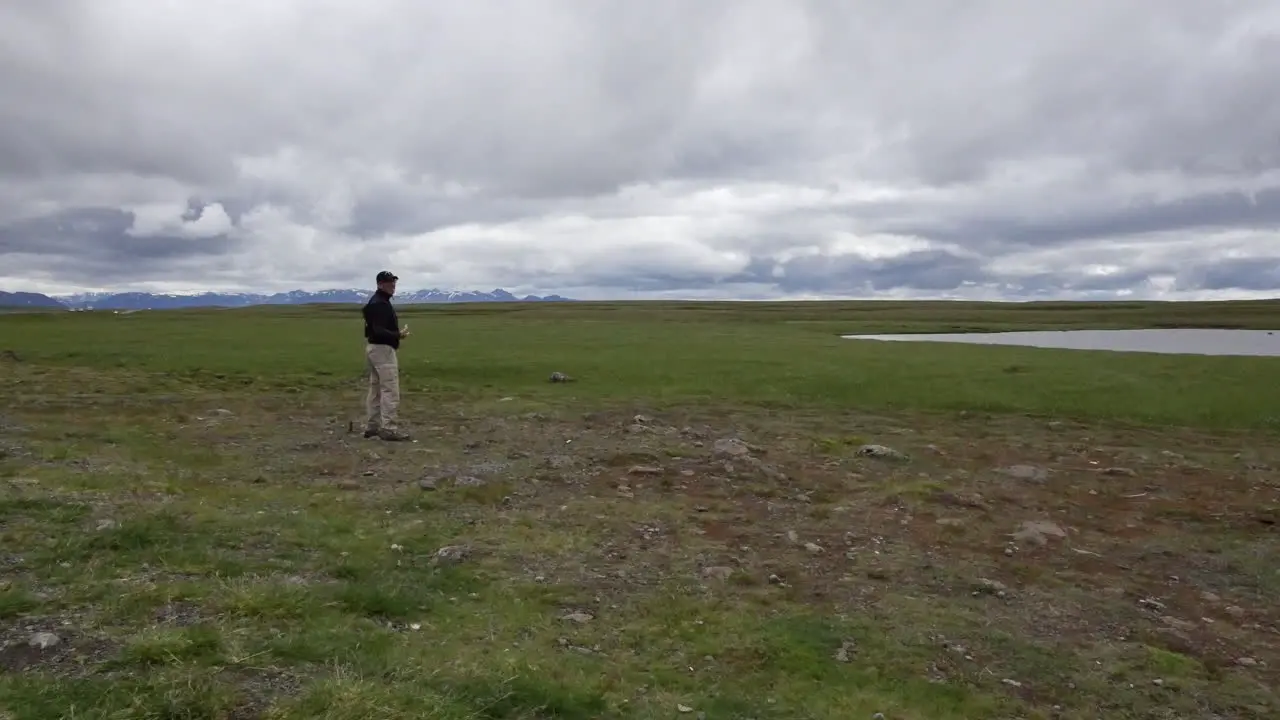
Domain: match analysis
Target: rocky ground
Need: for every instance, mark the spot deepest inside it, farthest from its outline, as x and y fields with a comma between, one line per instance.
x=712, y=561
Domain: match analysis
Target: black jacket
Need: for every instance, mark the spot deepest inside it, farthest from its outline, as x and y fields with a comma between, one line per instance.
x=381, y=325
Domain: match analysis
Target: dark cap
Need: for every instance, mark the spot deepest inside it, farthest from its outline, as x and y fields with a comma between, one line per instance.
x=386, y=276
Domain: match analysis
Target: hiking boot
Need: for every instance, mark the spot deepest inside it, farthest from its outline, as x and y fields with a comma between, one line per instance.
x=393, y=435
x=370, y=433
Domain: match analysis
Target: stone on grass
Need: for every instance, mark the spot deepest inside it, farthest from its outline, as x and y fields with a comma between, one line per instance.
x=451, y=555
x=717, y=572
x=731, y=447
x=880, y=452
x=1039, y=532
x=1031, y=473
x=44, y=640
x=644, y=470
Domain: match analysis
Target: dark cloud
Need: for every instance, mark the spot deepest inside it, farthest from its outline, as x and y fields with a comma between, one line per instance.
x=1233, y=274
x=91, y=245
x=1200, y=213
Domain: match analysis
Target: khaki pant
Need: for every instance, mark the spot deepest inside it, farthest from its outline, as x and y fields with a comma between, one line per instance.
x=382, y=402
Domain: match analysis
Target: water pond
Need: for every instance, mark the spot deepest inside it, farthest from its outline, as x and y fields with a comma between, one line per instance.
x=1177, y=341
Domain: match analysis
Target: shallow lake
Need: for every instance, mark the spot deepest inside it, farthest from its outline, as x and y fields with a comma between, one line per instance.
x=1178, y=341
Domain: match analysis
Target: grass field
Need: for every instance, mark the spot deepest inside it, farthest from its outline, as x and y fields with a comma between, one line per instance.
x=189, y=530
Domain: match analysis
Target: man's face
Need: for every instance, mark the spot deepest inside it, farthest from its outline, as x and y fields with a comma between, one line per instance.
x=388, y=287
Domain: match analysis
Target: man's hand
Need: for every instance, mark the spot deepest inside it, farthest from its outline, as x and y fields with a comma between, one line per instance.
x=404, y=331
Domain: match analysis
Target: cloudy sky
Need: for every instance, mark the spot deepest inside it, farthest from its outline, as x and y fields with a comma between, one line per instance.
x=614, y=148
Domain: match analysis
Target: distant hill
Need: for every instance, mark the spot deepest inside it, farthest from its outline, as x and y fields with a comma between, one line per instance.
x=151, y=301
x=27, y=300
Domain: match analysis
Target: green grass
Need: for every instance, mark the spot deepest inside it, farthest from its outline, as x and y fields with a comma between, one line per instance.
x=763, y=354
x=182, y=504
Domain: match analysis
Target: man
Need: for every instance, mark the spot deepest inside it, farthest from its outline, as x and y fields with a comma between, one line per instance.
x=382, y=333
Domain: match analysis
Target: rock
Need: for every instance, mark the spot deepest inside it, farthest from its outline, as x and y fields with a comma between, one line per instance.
x=1119, y=472
x=717, y=572
x=768, y=471
x=813, y=548
x=557, y=462
x=644, y=470
x=731, y=447
x=451, y=555
x=684, y=708
x=349, y=484
x=427, y=483
x=1031, y=473
x=578, y=617
x=559, y=377
x=468, y=481
x=847, y=649
x=1151, y=603
x=44, y=640
x=1039, y=532
x=986, y=586
x=880, y=452
x=953, y=499
x=1246, y=662
x=107, y=524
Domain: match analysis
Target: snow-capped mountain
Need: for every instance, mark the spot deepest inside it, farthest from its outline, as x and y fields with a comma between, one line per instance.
x=153, y=301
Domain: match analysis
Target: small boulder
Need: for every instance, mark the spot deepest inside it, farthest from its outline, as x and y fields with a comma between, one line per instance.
x=731, y=447
x=44, y=640
x=644, y=470
x=451, y=555
x=1039, y=532
x=717, y=572
x=880, y=452
x=1030, y=473
x=846, y=651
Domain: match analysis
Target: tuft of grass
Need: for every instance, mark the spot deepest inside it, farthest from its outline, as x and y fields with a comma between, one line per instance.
x=16, y=602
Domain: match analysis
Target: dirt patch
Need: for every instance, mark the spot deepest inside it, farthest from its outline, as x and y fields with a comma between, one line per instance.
x=24, y=649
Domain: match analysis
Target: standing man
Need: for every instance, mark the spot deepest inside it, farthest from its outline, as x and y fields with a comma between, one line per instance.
x=382, y=333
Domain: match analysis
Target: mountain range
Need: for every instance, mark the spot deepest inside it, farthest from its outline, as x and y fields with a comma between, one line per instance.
x=152, y=301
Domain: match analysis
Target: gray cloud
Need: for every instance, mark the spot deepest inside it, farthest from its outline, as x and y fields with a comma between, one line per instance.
x=785, y=147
